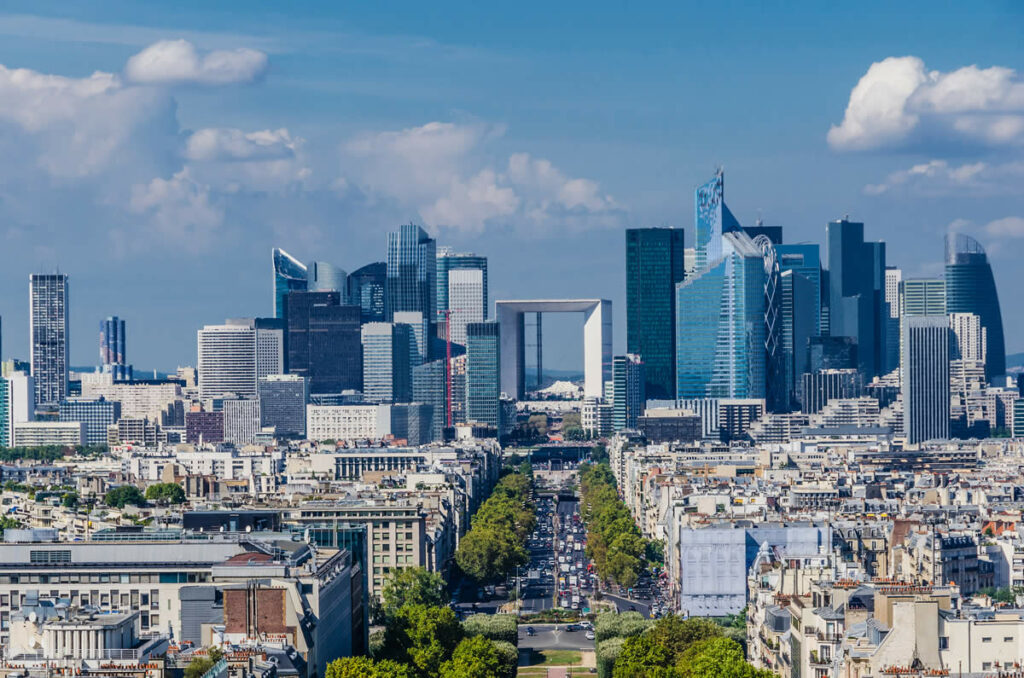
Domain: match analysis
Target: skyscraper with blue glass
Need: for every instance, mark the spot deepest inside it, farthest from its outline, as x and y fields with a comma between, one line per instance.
x=720, y=323
x=447, y=261
x=711, y=219
x=799, y=310
x=654, y=266
x=412, y=273
x=366, y=287
x=483, y=373
x=970, y=288
x=290, y=275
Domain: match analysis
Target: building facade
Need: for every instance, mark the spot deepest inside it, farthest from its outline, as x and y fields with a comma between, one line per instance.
x=324, y=341
x=970, y=288
x=483, y=373
x=48, y=332
x=282, y=402
x=290, y=275
x=926, y=378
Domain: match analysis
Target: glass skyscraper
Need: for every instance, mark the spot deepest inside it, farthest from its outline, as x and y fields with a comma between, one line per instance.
x=628, y=398
x=712, y=218
x=290, y=275
x=283, y=399
x=412, y=273
x=323, y=341
x=483, y=373
x=720, y=325
x=322, y=276
x=387, y=369
x=856, y=298
x=447, y=261
x=48, y=330
x=654, y=266
x=970, y=288
x=925, y=378
x=429, y=386
x=799, y=310
x=366, y=289
x=112, y=348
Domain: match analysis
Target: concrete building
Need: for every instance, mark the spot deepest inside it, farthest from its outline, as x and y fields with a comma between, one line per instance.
x=96, y=415
x=40, y=433
x=925, y=371
x=282, y=403
x=48, y=335
x=241, y=420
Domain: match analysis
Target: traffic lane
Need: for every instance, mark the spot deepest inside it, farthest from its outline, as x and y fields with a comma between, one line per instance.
x=553, y=637
x=624, y=604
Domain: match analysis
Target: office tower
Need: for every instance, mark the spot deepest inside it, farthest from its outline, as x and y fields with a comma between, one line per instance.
x=429, y=386
x=831, y=353
x=800, y=296
x=720, y=325
x=420, y=328
x=775, y=361
x=6, y=425
x=290, y=275
x=448, y=261
x=817, y=388
x=366, y=289
x=655, y=264
x=228, y=362
x=270, y=340
x=205, y=427
x=773, y=233
x=323, y=277
x=96, y=415
x=922, y=296
x=628, y=398
x=411, y=273
x=466, y=299
x=283, y=399
x=112, y=349
x=483, y=373
x=970, y=337
x=970, y=288
x=856, y=298
x=241, y=420
x=925, y=371
x=48, y=333
x=387, y=369
x=17, y=405
x=323, y=341
x=805, y=260
x=893, y=278
x=711, y=219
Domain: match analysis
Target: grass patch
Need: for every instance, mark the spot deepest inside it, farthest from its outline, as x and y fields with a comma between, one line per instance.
x=555, y=658
x=528, y=671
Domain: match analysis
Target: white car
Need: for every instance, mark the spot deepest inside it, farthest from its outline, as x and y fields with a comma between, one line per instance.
x=590, y=635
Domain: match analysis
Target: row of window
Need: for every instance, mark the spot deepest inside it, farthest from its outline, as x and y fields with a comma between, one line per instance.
x=113, y=599
x=106, y=578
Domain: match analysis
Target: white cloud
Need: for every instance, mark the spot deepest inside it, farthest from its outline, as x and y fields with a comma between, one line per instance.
x=170, y=62
x=234, y=144
x=443, y=171
x=938, y=178
x=1009, y=227
x=180, y=209
x=898, y=103
x=233, y=160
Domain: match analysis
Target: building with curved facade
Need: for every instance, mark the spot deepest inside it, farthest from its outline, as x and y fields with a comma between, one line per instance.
x=290, y=275
x=970, y=288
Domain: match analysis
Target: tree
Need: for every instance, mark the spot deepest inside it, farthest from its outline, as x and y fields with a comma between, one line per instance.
x=475, y=657
x=198, y=666
x=641, y=656
x=423, y=637
x=496, y=627
x=677, y=634
x=717, y=658
x=8, y=523
x=119, y=497
x=412, y=586
x=69, y=500
x=488, y=554
x=166, y=493
x=364, y=667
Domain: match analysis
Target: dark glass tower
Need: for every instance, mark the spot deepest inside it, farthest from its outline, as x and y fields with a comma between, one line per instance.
x=970, y=288
x=654, y=265
x=856, y=292
x=483, y=373
x=323, y=341
x=412, y=273
x=112, y=348
x=290, y=275
x=366, y=289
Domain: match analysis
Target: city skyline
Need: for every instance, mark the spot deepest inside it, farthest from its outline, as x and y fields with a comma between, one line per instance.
x=293, y=148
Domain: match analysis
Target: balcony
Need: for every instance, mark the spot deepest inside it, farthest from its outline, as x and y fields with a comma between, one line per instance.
x=829, y=637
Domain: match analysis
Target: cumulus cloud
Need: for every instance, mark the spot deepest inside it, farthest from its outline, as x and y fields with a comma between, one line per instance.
x=171, y=62
x=235, y=144
x=444, y=172
x=180, y=209
x=938, y=178
x=898, y=103
x=1008, y=227
x=234, y=160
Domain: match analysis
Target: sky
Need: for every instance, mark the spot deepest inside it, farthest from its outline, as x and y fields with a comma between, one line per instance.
x=156, y=152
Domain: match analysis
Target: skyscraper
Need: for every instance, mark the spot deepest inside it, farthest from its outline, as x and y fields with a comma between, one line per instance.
x=227, y=360
x=466, y=299
x=290, y=275
x=387, y=369
x=366, y=289
x=322, y=276
x=856, y=299
x=799, y=310
x=893, y=277
x=429, y=386
x=970, y=337
x=483, y=373
x=283, y=399
x=654, y=266
x=628, y=397
x=48, y=330
x=922, y=296
x=412, y=273
x=448, y=261
x=712, y=219
x=323, y=341
x=112, y=349
x=970, y=288
x=925, y=378
x=419, y=346
x=720, y=325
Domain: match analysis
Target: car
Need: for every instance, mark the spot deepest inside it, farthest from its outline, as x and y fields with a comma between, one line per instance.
x=530, y=631
x=590, y=635
x=572, y=627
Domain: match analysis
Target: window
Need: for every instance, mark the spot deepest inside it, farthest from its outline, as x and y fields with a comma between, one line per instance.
x=144, y=599
x=1007, y=639
x=45, y=557
x=943, y=642
x=987, y=639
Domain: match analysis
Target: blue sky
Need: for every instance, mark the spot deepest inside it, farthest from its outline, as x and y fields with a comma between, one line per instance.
x=533, y=133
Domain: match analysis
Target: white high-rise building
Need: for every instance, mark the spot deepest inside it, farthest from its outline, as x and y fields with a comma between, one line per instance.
x=465, y=301
x=233, y=356
x=48, y=335
x=925, y=371
x=241, y=420
x=970, y=335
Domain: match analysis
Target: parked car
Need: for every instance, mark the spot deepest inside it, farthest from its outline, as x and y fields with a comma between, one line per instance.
x=530, y=631
x=590, y=635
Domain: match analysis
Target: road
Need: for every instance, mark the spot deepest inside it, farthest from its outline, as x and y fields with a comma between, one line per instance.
x=553, y=637
x=626, y=604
